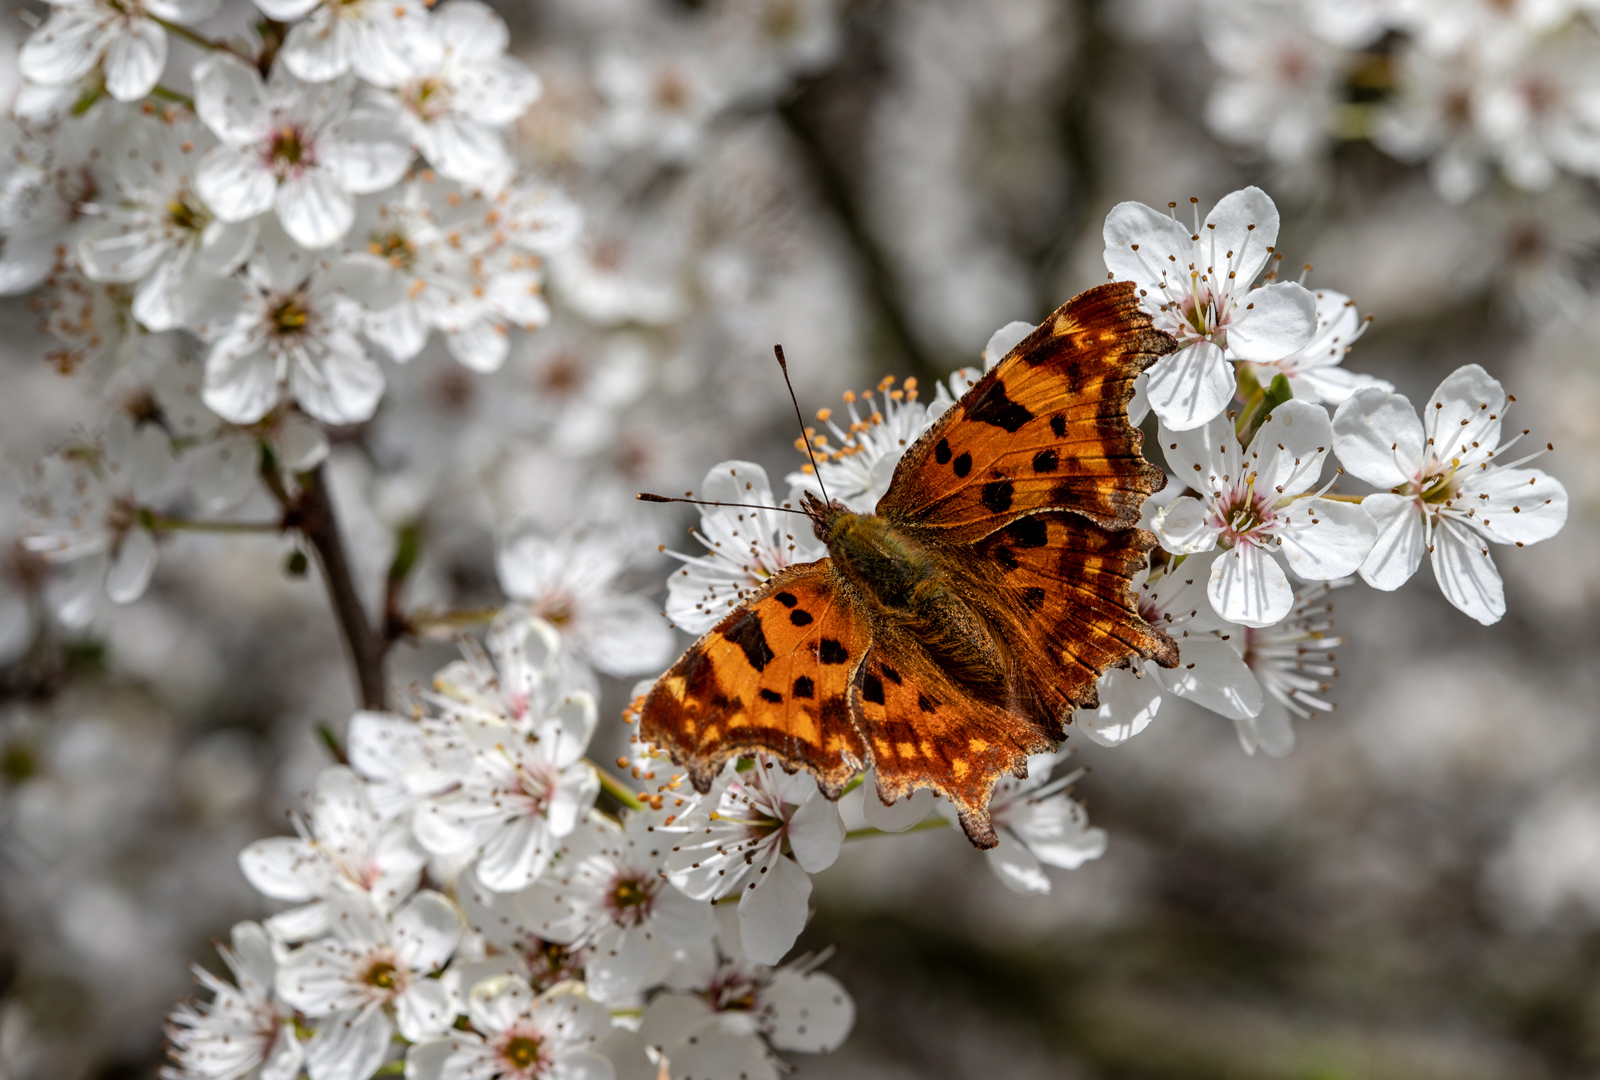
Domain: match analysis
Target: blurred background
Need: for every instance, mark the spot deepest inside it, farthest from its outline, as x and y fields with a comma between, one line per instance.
x=1414, y=891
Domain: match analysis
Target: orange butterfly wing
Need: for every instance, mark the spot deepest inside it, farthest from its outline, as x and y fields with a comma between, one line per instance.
x=773, y=676
x=1046, y=428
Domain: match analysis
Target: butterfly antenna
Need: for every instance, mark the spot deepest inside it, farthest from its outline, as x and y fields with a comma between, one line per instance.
x=804, y=435
x=645, y=496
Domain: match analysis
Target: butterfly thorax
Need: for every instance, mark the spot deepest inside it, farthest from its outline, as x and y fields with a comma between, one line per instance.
x=899, y=578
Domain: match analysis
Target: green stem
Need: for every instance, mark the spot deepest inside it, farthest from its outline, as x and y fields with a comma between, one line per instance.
x=449, y=620
x=921, y=826
x=168, y=94
x=617, y=788
x=856, y=781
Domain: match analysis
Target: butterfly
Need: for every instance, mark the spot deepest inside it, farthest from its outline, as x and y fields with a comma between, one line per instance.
x=952, y=632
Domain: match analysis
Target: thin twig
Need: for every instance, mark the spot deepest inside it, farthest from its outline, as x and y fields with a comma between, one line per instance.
x=617, y=789
x=179, y=30
x=168, y=94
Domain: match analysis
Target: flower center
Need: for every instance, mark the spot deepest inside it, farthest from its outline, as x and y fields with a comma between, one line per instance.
x=383, y=975
x=629, y=894
x=428, y=98
x=1438, y=488
x=289, y=147
x=522, y=1051
x=290, y=317
x=393, y=246
x=184, y=213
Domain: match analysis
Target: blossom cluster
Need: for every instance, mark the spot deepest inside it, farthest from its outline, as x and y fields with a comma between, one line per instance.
x=1470, y=87
x=463, y=903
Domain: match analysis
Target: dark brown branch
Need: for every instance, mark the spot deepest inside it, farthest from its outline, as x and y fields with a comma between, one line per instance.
x=310, y=512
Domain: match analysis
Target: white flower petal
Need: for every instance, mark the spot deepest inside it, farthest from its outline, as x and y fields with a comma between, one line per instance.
x=349, y=1045
x=1248, y=587
x=1128, y=702
x=1016, y=866
x=1377, y=436
x=426, y=1010
x=231, y=100
x=318, y=49
x=1164, y=248
x=1338, y=540
x=347, y=388
x=1524, y=505
x=274, y=866
x=135, y=60
x=1401, y=539
x=131, y=567
x=1184, y=527
x=897, y=816
x=1246, y=222
x=235, y=183
x=65, y=48
x=1277, y=320
x=366, y=151
x=1213, y=675
x=1463, y=417
x=816, y=833
x=1191, y=386
x=809, y=1013
x=1466, y=573
x=772, y=914
x=241, y=380
x=313, y=209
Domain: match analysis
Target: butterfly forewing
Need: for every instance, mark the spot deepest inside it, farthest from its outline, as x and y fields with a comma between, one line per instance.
x=1047, y=428
x=773, y=676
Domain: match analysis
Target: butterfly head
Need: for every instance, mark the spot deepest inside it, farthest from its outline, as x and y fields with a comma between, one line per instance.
x=825, y=516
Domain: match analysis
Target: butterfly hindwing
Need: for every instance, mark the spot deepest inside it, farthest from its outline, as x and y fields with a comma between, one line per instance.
x=926, y=730
x=1059, y=589
x=773, y=676
x=1046, y=428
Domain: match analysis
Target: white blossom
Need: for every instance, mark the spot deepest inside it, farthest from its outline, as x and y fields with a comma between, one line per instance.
x=1038, y=824
x=1293, y=661
x=1251, y=506
x=858, y=469
x=382, y=41
x=243, y=1032
x=733, y=842
x=345, y=847
x=608, y=895
x=1198, y=287
x=519, y=1036
x=122, y=37
x=303, y=149
x=744, y=547
x=1448, y=495
x=1210, y=671
x=1313, y=372
x=371, y=978
x=453, y=111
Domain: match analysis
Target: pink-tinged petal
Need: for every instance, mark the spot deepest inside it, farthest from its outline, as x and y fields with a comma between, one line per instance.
x=1523, y=506
x=1466, y=573
x=135, y=60
x=1163, y=253
x=1463, y=417
x=897, y=816
x=1213, y=675
x=132, y=565
x=349, y=1045
x=1377, y=437
x=276, y=867
x=313, y=209
x=1272, y=322
x=1332, y=539
x=426, y=1010
x=231, y=100
x=1190, y=387
x=1402, y=537
x=1016, y=866
x=1184, y=527
x=318, y=49
x=66, y=47
x=1129, y=700
x=1248, y=587
x=772, y=914
x=234, y=183
x=241, y=381
x=1244, y=222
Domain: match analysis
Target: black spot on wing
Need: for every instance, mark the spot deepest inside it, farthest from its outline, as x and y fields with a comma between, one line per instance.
x=997, y=496
x=800, y=618
x=891, y=674
x=963, y=464
x=1032, y=599
x=1058, y=425
x=1006, y=558
x=1030, y=532
x=787, y=599
x=772, y=696
x=925, y=703
x=752, y=640
x=831, y=652
x=941, y=452
x=1046, y=461
x=872, y=689
x=835, y=710
x=804, y=687
x=992, y=406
